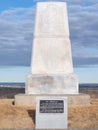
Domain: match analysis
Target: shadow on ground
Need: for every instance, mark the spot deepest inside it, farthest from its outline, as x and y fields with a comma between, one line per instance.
x=31, y=113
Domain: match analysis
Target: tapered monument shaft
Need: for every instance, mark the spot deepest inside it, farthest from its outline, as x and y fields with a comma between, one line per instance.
x=51, y=45
x=51, y=63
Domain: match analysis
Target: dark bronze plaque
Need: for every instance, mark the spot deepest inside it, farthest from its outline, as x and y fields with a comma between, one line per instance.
x=51, y=106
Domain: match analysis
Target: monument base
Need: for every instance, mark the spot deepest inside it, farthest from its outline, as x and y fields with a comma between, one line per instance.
x=27, y=99
x=52, y=84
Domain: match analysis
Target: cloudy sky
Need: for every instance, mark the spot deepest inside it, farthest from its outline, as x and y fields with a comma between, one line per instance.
x=16, y=31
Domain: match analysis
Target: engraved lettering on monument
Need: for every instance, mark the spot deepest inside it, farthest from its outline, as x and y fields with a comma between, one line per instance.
x=51, y=112
x=51, y=106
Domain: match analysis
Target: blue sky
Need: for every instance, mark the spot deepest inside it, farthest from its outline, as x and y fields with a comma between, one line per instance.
x=17, y=25
x=8, y=4
x=19, y=74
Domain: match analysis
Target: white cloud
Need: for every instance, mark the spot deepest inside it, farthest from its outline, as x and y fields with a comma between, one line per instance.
x=16, y=24
x=16, y=31
x=84, y=23
x=16, y=35
x=83, y=19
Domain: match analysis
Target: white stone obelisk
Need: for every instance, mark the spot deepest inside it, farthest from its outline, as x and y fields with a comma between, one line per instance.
x=51, y=63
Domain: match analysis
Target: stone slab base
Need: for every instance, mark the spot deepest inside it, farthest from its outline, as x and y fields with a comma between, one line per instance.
x=52, y=84
x=78, y=99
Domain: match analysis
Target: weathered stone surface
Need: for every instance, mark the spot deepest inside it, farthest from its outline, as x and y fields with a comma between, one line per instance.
x=52, y=84
x=51, y=63
x=51, y=45
x=51, y=20
x=73, y=99
x=51, y=56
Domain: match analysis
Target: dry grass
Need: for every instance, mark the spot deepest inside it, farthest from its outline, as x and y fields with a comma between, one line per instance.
x=84, y=116
x=16, y=117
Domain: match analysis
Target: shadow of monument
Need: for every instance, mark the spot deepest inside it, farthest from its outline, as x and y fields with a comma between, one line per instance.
x=31, y=113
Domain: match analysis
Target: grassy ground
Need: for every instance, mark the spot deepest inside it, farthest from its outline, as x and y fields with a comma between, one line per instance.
x=82, y=116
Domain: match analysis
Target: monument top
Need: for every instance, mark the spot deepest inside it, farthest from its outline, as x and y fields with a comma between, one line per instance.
x=51, y=20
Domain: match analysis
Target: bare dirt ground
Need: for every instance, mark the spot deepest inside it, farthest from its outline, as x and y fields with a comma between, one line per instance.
x=79, y=116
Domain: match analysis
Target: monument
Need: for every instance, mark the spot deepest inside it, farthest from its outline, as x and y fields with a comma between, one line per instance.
x=51, y=112
x=51, y=64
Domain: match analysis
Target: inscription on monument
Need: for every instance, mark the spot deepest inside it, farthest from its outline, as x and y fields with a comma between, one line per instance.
x=51, y=106
x=51, y=112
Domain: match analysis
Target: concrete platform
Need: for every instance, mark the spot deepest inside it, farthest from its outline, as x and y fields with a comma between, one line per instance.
x=78, y=99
